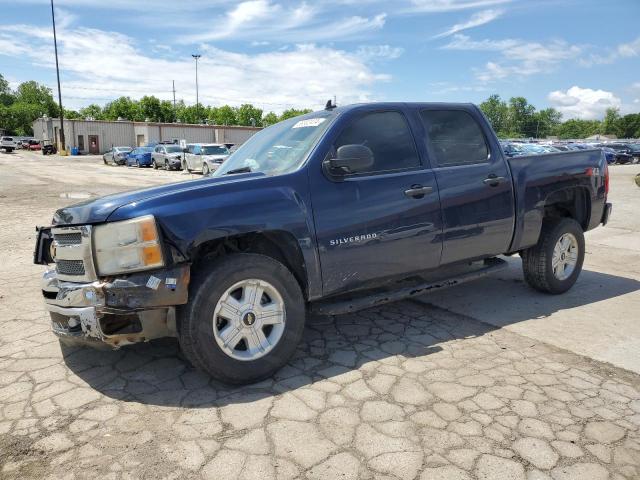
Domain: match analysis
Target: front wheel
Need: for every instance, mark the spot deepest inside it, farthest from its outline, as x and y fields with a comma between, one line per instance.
x=244, y=319
x=554, y=264
x=205, y=169
x=154, y=164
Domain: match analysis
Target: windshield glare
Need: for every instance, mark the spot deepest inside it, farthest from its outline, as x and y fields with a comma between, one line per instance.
x=280, y=148
x=214, y=150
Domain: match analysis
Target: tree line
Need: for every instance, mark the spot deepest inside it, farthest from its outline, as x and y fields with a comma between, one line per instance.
x=515, y=118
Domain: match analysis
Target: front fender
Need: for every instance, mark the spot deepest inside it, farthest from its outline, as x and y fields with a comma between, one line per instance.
x=216, y=208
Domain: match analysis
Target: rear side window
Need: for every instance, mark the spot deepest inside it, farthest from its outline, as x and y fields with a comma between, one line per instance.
x=455, y=137
x=389, y=138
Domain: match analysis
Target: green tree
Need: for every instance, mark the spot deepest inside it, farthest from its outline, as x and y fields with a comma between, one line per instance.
x=249, y=115
x=225, y=115
x=577, y=128
x=167, y=112
x=293, y=112
x=92, y=111
x=609, y=124
x=547, y=122
x=150, y=108
x=6, y=95
x=628, y=126
x=496, y=111
x=520, y=117
x=269, y=119
x=72, y=114
x=124, y=108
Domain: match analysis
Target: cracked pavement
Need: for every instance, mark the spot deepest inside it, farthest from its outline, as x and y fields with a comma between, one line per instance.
x=405, y=391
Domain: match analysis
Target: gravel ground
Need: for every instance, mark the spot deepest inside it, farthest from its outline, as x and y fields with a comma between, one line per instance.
x=409, y=390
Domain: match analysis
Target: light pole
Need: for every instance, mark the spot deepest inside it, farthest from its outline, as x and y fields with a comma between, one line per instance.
x=196, y=56
x=55, y=46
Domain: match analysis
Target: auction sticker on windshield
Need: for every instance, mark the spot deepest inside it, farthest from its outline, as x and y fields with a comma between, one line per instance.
x=310, y=122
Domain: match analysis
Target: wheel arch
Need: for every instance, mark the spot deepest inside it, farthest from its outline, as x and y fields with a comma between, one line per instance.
x=573, y=202
x=277, y=244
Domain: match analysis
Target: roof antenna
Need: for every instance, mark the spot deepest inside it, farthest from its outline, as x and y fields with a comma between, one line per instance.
x=330, y=105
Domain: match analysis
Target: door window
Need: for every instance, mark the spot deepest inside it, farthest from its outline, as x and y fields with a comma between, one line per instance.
x=388, y=136
x=455, y=137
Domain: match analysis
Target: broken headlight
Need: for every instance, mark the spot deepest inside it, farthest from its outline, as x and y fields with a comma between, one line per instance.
x=127, y=246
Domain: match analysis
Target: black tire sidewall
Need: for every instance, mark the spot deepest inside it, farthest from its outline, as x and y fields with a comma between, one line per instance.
x=566, y=225
x=222, y=275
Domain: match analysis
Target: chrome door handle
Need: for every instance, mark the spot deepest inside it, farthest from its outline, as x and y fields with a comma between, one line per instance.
x=493, y=180
x=418, y=191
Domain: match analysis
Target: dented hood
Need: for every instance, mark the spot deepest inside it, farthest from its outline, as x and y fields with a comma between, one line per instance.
x=98, y=210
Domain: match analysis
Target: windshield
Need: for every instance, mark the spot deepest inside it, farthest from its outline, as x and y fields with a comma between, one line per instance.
x=145, y=149
x=214, y=150
x=281, y=148
x=123, y=149
x=173, y=149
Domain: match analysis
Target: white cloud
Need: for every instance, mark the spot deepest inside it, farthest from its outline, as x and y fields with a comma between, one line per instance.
x=623, y=50
x=583, y=103
x=479, y=18
x=98, y=65
x=379, y=52
x=519, y=58
x=434, y=6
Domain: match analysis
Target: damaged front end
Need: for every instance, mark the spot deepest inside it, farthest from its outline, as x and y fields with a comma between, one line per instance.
x=121, y=311
x=113, y=310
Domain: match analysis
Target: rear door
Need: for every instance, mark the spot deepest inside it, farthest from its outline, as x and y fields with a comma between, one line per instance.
x=476, y=191
x=381, y=223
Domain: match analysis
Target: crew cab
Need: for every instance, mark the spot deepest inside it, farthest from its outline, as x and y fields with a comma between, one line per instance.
x=8, y=144
x=333, y=211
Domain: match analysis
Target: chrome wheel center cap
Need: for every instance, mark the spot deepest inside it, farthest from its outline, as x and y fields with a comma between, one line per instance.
x=249, y=319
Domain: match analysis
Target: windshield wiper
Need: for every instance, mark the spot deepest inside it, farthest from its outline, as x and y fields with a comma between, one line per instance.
x=239, y=170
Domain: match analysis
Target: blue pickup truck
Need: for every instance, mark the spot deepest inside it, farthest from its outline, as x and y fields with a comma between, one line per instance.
x=334, y=211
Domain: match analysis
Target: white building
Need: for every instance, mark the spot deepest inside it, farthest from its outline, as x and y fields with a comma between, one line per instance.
x=98, y=136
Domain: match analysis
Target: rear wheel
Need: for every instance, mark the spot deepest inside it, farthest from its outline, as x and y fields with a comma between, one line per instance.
x=244, y=319
x=554, y=264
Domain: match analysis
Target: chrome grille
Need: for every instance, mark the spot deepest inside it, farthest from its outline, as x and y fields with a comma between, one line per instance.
x=68, y=238
x=73, y=253
x=70, y=267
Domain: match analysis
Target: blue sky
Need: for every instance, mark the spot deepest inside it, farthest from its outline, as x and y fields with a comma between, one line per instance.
x=580, y=56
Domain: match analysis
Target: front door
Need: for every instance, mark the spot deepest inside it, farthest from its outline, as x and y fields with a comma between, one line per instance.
x=94, y=144
x=383, y=222
x=476, y=192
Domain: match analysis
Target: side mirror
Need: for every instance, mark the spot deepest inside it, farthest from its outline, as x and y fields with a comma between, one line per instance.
x=351, y=159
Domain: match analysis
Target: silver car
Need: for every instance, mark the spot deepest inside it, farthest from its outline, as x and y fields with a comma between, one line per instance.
x=166, y=156
x=116, y=155
x=204, y=157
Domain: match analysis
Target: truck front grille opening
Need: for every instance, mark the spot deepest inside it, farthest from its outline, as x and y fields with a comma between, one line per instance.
x=120, y=324
x=70, y=267
x=64, y=239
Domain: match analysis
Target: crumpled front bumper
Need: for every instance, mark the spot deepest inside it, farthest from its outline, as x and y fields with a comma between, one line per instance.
x=124, y=310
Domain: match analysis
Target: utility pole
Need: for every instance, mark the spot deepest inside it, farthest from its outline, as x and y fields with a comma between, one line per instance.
x=174, y=94
x=55, y=45
x=196, y=56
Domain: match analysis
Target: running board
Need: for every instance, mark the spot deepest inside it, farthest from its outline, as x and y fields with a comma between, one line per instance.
x=372, y=298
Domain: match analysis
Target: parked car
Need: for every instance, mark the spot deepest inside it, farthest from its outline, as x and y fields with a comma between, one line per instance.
x=512, y=149
x=609, y=155
x=140, y=157
x=204, y=157
x=116, y=155
x=24, y=143
x=623, y=152
x=35, y=145
x=8, y=144
x=292, y=222
x=167, y=156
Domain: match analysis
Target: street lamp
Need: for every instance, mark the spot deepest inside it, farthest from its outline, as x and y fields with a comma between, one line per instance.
x=55, y=45
x=196, y=56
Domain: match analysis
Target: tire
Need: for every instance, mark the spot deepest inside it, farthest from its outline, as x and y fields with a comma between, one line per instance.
x=205, y=169
x=210, y=286
x=154, y=164
x=166, y=165
x=537, y=261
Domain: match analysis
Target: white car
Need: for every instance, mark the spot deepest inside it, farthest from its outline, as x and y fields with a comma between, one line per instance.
x=204, y=157
x=8, y=144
